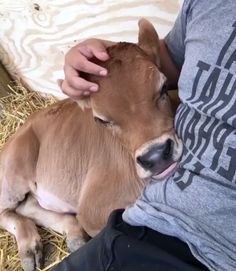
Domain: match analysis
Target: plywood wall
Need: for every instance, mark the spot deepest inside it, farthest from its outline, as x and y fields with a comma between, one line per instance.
x=34, y=35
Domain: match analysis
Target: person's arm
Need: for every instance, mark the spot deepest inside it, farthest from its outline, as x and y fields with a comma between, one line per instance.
x=172, y=49
x=168, y=67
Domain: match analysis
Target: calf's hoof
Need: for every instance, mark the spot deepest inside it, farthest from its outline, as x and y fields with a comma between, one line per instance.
x=32, y=257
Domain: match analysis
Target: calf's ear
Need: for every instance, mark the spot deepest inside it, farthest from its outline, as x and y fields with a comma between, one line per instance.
x=148, y=40
x=84, y=103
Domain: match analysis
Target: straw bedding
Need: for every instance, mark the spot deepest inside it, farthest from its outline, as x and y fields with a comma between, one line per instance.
x=14, y=109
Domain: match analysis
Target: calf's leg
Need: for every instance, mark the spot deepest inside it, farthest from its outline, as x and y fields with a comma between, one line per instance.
x=63, y=223
x=17, y=173
x=27, y=238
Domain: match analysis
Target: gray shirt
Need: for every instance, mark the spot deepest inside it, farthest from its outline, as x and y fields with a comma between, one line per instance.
x=198, y=203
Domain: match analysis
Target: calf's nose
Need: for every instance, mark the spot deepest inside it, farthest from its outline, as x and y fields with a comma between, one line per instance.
x=156, y=154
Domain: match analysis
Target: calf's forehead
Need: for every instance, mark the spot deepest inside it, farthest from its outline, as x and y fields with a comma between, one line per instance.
x=128, y=84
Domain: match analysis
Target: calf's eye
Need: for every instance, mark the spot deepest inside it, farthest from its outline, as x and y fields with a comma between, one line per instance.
x=101, y=121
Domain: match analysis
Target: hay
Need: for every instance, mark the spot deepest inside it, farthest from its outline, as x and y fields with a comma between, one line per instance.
x=14, y=109
x=17, y=106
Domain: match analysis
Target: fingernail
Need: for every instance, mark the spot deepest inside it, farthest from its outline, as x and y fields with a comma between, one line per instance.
x=93, y=88
x=103, y=72
x=86, y=93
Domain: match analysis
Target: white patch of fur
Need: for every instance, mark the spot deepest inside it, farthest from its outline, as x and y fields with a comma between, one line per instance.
x=85, y=103
x=178, y=148
x=115, y=130
x=161, y=81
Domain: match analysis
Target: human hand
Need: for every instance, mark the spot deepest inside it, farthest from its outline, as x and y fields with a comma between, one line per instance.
x=78, y=60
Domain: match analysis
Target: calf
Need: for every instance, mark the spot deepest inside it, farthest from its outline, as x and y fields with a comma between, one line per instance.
x=72, y=163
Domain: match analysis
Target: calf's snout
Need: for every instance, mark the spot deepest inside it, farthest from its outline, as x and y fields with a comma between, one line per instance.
x=157, y=154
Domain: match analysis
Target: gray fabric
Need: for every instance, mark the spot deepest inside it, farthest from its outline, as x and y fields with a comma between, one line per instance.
x=198, y=203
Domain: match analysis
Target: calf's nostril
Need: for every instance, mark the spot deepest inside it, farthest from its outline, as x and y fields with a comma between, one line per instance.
x=147, y=164
x=168, y=149
x=157, y=155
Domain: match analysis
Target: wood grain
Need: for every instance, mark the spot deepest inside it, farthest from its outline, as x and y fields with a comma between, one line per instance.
x=35, y=35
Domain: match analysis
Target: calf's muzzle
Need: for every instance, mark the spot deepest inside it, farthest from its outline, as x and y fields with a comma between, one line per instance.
x=158, y=157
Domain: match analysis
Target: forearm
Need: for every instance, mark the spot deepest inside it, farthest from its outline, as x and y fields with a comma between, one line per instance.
x=168, y=67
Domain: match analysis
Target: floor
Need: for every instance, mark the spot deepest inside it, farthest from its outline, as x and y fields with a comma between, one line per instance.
x=4, y=81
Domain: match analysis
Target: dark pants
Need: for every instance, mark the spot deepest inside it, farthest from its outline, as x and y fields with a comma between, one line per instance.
x=127, y=248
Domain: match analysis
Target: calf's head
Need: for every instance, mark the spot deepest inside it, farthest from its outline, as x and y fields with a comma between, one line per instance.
x=133, y=105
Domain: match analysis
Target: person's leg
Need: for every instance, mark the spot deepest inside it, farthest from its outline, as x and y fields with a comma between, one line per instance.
x=151, y=250
x=92, y=256
x=121, y=247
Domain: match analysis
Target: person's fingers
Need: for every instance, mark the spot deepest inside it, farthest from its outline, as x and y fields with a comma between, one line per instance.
x=96, y=49
x=76, y=82
x=68, y=90
x=72, y=92
x=79, y=57
x=78, y=60
x=81, y=63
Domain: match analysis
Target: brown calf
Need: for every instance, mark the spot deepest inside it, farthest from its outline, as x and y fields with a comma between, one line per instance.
x=69, y=166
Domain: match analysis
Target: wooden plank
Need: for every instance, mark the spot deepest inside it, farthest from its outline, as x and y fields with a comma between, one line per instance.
x=35, y=35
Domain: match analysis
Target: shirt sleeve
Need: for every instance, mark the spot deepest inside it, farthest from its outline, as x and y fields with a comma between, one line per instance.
x=175, y=39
